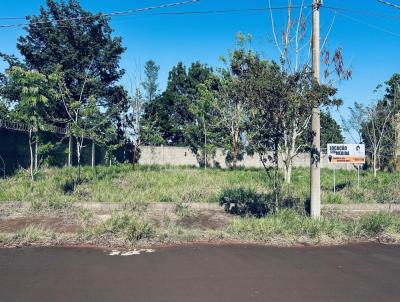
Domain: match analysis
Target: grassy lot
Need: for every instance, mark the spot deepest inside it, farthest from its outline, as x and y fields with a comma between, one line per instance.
x=134, y=228
x=56, y=187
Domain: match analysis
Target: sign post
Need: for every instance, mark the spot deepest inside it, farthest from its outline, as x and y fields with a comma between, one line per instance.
x=334, y=179
x=346, y=153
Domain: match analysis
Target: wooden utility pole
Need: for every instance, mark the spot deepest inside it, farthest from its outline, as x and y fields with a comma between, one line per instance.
x=316, y=144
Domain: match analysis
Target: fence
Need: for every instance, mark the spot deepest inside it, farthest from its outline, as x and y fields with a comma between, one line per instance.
x=179, y=156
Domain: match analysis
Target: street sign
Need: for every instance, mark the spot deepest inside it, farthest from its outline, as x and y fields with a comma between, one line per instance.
x=346, y=153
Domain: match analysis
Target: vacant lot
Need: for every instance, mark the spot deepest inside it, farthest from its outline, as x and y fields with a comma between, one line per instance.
x=186, y=184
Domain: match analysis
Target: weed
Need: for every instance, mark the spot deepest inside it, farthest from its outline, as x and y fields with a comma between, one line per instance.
x=290, y=225
x=183, y=209
x=32, y=233
x=128, y=225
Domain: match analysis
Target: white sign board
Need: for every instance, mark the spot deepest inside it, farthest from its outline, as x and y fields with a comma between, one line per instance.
x=346, y=153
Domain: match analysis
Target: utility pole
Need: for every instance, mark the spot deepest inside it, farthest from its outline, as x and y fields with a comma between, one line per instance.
x=316, y=143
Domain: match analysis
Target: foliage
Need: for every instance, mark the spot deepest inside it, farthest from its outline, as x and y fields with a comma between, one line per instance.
x=78, y=46
x=28, y=93
x=245, y=202
x=150, y=85
x=331, y=131
x=169, y=112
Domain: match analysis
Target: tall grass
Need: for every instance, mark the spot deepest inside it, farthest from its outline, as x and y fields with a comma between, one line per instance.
x=290, y=225
x=56, y=187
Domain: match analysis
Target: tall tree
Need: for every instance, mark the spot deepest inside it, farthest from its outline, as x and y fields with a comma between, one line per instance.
x=170, y=111
x=230, y=104
x=85, y=119
x=150, y=84
x=294, y=50
x=81, y=43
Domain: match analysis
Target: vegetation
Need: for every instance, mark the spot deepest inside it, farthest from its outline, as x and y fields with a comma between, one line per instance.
x=68, y=77
x=56, y=187
x=130, y=226
x=245, y=202
x=293, y=227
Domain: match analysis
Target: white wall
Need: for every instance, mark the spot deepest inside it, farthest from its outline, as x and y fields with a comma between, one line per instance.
x=178, y=156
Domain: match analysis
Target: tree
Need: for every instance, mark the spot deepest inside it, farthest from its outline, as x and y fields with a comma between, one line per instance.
x=203, y=135
x=30, y=91
x=170, y=112
x=376, y=125
x=84, y=118
x=374, y=121
x=269, y=96
x=150, y=85
x=230, y=104
x=265, y=83
x=167, y=113
x=331, y=131
x=77, y=41
x=294, y=49
x=200, y=129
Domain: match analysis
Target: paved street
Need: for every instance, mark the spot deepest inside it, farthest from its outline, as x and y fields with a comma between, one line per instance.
x=202, y=273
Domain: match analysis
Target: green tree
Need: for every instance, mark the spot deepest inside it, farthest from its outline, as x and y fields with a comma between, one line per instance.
x=150, y=84
x=331, y=132
x=30, y=98
x=81, y=44
x=231, y=99
x=84, y=118
x=170, y=112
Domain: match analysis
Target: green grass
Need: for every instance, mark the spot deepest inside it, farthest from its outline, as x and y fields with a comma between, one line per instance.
x=127, y=225
x=289, y=225
x=56, y=188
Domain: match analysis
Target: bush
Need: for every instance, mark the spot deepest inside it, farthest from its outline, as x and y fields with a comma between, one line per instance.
x=245, y=202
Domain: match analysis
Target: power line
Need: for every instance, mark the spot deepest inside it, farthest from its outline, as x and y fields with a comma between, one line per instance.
x=133, y=12
x=389, y=3
x=112, y=14
x=369, y=25
x=363, y=12
x=139, y=12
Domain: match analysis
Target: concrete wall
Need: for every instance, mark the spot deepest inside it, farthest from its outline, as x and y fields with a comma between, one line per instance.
x=179, y=156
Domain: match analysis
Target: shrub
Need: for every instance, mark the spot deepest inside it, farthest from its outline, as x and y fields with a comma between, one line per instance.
x=245, y=202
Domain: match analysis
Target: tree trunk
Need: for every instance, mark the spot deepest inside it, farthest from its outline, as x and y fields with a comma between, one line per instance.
x=288, y=171
x=31, y=154
x=78, y=155
x=36, y=152
x=134, y=150
x=235, y=150
x=205, y=145
x=374, y=160
x=276, y=177
x=69, y=151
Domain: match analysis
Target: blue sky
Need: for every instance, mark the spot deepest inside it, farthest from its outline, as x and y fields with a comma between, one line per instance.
x=370, y=43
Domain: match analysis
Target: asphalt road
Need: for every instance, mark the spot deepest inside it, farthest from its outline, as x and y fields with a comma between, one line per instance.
x=203, y=273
